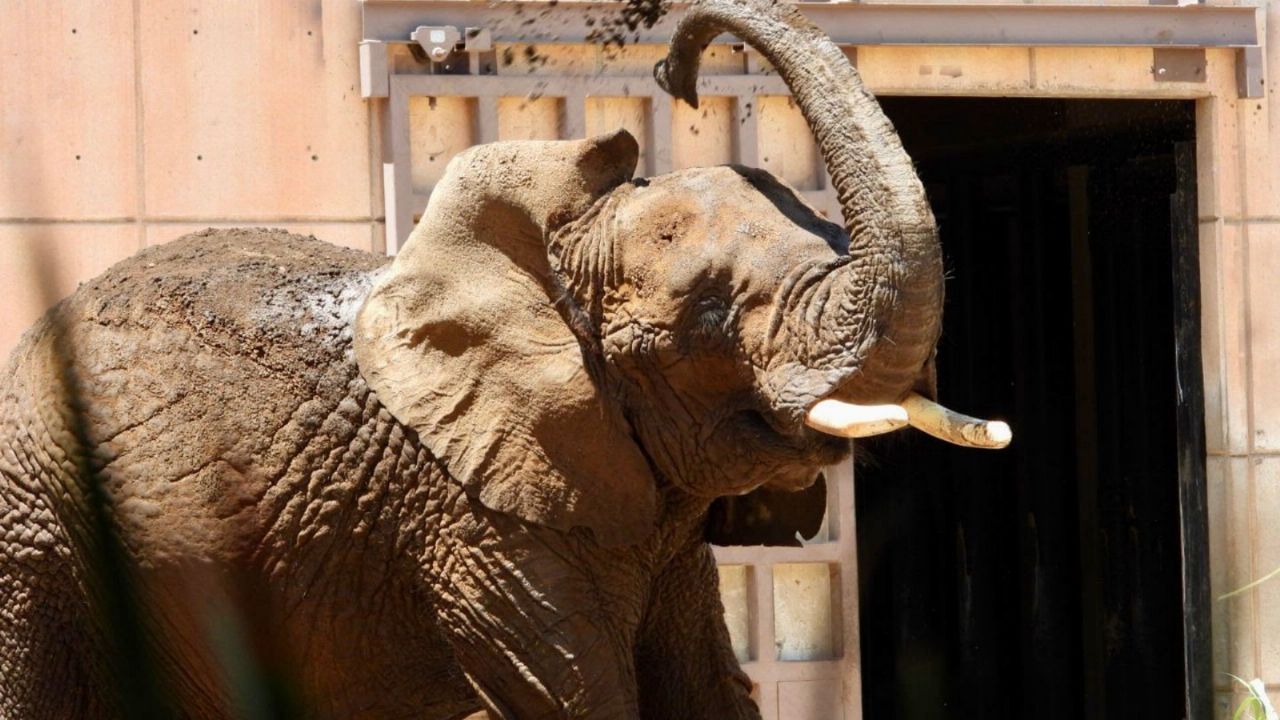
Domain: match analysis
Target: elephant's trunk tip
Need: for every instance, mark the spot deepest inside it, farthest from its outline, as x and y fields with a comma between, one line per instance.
x=665, y=75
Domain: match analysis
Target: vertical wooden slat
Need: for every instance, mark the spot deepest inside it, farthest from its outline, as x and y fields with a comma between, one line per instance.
x=396, y=174
x=575, y=117
x=767, y=650
x=486, y=119
x=1091, y=625
x=747, y=121
x=1192, y=479
x=660, y=129
x=840, y=482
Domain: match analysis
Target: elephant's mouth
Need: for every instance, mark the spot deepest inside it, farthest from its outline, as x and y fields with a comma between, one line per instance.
x=834, y=416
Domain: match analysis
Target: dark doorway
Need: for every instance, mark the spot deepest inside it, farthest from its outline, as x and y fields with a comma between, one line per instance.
x=1046, y=580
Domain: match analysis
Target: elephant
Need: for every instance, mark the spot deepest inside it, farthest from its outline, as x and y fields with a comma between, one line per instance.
x=476, y=477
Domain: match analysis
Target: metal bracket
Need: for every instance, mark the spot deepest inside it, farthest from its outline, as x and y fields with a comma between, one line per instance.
x=375, y=76
x=1178, y=64
x=1251, y=65
x=436, y=42
x=428, y=43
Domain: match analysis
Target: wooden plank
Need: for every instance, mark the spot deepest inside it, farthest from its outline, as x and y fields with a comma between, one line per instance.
x=660, y=134
x=397, y=175
x=747, y=121
x=840, y=486
x=486, y=120
x=1192, y=480
x=575, y=116
x=1091, y=623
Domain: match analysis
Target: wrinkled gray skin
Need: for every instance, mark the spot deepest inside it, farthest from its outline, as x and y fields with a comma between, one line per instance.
x=478, y=476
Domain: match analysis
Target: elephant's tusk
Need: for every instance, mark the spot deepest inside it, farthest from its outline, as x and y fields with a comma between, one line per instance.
x=930, y=417
x=853, y=421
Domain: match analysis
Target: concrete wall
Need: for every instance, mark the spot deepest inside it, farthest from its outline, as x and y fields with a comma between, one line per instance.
x=128, y=123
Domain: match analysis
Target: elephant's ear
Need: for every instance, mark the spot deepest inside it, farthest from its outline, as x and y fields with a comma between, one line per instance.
x=466, y=341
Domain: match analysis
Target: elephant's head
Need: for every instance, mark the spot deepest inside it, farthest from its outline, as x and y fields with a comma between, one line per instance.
x=569, y=341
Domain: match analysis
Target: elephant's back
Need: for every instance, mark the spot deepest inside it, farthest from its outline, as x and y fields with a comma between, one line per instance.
x=239, y=447
x=281, y=298
x=285, y=300
x=195, y=362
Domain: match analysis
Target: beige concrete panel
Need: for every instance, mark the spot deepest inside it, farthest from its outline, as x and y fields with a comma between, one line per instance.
x=1264, y=332
x=1261, y=136
x=530, y=119
x=702, y=136
x=358, y=236
x=1211, y=339
x=1103, y=72
x=803, y=616
x=1222, y=338
x=934, y=70
x=254, y=109
x=1227, y=703
x=1267, y=523
x=1222, y=708
x=439, y=128
x=67, y=110
x=43, y=263
x=1260, y=153
x=1260, y=158
x=1218, y=167
x=1220, y=71
x=809, y=699
x=1216, y=472
x=785, y=145
x=735, y=595
x=1236, y=617
x=547, y=59
x=1237, y=614
x=606, y=114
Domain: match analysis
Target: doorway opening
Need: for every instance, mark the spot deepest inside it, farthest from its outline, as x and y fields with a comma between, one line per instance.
x=1047, y=580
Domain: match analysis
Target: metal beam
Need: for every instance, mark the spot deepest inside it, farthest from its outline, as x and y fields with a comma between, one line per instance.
x=1193, y=26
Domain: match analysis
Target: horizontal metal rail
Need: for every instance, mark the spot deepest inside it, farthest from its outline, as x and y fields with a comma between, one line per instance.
x=1194, y=26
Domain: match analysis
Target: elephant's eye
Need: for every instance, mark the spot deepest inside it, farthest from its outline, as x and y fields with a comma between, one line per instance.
x=710, y=316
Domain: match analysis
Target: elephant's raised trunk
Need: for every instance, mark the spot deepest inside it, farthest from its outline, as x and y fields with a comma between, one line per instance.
x=889, y=293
